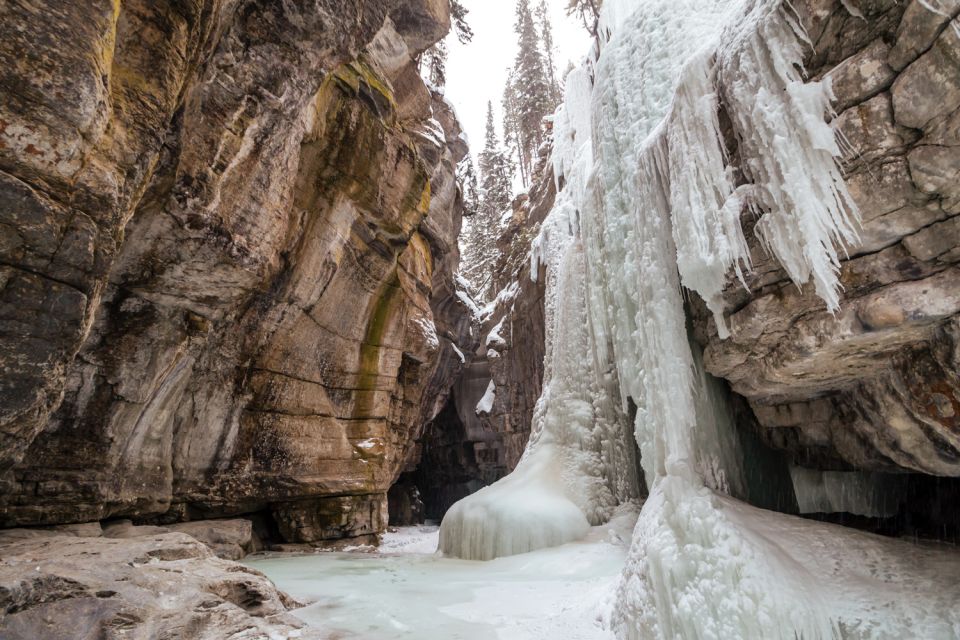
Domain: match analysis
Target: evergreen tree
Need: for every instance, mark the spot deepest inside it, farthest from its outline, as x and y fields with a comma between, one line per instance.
x=511, y=126
x=480, y=250
x=458, y=15
x=433, y=64
x=531, y=91
x=467, y=181
x=589, y=12
x=433, y=61
x=546, y=37
x=495, y=171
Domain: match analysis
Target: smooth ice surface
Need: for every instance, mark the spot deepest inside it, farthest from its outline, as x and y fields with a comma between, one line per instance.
x=526, y=510
x=865, y=494
x=404, y=592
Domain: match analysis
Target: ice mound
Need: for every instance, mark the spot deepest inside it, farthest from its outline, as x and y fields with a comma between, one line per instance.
x=524, y=511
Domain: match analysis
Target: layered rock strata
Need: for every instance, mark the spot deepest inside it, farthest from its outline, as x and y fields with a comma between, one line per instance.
x=227, y=270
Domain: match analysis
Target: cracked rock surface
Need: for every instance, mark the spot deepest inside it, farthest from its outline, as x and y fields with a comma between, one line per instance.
x=169, y=585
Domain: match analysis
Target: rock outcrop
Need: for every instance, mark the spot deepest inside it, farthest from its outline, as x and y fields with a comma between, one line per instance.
x=875, y=387
x=228, y=250
x=67, y=584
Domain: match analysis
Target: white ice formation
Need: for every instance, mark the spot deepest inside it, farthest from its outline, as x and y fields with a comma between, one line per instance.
x=580, y=463
x=648, y=203
x=486, y=402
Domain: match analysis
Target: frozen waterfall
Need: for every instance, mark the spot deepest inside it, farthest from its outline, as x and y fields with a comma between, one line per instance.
x=579, y=464
x=649, y=204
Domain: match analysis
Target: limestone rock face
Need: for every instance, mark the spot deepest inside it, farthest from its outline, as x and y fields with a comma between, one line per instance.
x=877, y=386
x=228, y=251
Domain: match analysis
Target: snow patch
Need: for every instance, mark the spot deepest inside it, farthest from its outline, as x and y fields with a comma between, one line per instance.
x=369, y=444
x=465, y=298
x=504, y=296
x=428, y=330
x=494, y=338
x=486, y=402
x=416, y=539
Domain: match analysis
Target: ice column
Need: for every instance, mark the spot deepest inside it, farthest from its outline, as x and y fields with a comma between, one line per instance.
x=579, y=464
x=664, y=212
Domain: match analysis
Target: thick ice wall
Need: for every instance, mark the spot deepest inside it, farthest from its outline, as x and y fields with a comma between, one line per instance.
x=627, y=226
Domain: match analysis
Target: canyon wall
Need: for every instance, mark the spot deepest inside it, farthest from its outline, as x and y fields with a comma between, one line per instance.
x=875, y=386
x=227, y=261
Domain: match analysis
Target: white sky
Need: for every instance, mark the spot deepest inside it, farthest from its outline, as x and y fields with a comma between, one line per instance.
x=476, y=72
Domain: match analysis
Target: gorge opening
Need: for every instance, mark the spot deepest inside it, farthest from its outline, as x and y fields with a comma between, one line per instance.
x=516, y=319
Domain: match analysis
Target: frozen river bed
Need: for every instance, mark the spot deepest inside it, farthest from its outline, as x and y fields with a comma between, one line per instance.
x=406, y=590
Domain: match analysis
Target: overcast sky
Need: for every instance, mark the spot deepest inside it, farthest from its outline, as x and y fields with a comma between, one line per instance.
x=476, y=72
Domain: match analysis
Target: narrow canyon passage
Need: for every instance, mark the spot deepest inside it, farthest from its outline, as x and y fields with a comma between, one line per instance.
x=480, y=319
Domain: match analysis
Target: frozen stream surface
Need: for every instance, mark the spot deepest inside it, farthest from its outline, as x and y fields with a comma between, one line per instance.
x=873, y=587
x=407, y=590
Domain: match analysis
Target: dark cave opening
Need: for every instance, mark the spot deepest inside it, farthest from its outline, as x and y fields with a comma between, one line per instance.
x=450, y=464
x=924, y=512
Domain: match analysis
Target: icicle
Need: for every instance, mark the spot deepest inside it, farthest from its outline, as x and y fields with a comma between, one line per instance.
x=704, y=209
x=788, y=149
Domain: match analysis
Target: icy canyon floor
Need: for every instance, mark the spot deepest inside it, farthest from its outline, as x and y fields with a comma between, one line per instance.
x=407, y=590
